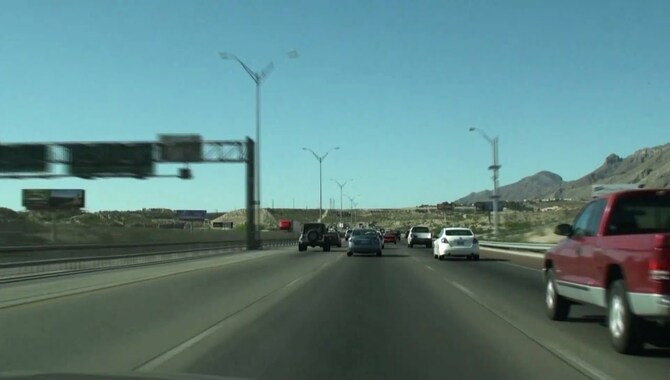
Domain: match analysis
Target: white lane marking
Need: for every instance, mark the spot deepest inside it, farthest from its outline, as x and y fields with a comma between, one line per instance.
x=591, y=370
x=522, y=267
x=536, y=255
x=168, y=355
x=568, y=358
x=293, y=282
x=462, y=289
x=431, y=268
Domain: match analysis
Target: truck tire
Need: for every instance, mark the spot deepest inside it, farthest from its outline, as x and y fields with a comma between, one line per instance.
x=556, y=306
x=302, y=247
x=626, y=329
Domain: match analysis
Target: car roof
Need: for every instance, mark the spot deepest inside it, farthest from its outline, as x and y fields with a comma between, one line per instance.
x=457, y=228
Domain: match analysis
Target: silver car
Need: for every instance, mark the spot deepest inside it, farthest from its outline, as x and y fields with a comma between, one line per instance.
x=364, y=240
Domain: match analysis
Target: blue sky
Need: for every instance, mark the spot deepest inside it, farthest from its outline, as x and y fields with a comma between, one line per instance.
x=395, y=84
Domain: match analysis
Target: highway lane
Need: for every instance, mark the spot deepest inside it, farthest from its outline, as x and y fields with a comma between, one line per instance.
x=323, y=315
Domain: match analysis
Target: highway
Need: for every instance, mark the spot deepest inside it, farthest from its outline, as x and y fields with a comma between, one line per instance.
x=280, y=314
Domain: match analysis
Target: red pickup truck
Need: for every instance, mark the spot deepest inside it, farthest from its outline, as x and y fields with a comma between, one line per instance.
x=616, y=255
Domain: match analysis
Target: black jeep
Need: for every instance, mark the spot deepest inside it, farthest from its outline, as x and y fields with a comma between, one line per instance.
x=313, y=235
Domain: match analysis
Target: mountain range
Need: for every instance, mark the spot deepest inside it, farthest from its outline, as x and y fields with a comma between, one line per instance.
x=648, y=166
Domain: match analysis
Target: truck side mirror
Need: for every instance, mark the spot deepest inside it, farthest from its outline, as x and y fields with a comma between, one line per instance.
x=563, y=229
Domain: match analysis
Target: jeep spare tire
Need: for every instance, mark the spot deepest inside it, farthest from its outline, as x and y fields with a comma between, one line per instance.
x=313, y=236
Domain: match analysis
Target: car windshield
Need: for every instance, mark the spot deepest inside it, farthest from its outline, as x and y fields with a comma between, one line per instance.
x=460, y=232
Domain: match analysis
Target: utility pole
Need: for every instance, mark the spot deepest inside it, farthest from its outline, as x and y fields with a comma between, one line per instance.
x=495, y=168
x=341, y=185
x=320, y=159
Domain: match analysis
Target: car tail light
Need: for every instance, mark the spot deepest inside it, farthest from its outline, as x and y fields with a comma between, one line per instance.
x=444, y=240
x=475, y=241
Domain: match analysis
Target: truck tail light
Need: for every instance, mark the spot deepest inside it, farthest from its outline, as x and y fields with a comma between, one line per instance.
x=659, y=264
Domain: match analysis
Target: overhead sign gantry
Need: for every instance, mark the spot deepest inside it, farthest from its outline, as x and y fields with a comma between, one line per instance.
x=136, y=159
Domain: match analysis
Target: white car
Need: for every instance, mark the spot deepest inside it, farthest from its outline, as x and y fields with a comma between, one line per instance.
x=420, y=235
x=456, y=242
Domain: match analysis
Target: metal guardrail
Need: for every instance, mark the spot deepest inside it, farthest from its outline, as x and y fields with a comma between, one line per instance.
x=24, y=270
x=535, y=247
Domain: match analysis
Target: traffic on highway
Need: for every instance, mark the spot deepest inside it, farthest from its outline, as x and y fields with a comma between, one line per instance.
x=294, y=190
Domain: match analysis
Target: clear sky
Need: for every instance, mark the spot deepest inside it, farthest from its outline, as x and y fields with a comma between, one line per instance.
x=395, y=84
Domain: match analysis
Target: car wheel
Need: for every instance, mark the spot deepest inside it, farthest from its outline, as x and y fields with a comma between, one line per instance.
x=557, y=307
x=429, y=245
x=326, y=247
x=625, y=327
x=410, y=245
x=383, y=246
x=476, y=257
x=302, y=247
x=379, y=253
x=349, y=253
x=470, y=257
x=440, y=257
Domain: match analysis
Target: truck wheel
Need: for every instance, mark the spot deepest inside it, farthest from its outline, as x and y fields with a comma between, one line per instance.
x=326, y=247
x=349, y=253
x=410, y=245
x=302, y=247
x=625, y=327
x=557, y=307
x=379, y=253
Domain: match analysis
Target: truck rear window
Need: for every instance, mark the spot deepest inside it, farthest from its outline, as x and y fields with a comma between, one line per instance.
x=644, y=213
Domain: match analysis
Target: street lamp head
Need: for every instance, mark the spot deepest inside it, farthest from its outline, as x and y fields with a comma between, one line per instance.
x=225, y=55
x=293, y=54
x=304, y=148
x=471, y=129
x=336, y=148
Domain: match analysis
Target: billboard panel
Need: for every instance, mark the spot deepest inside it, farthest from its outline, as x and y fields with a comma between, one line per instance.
x=181, y=148
x=598, y=190
x=53, y=199
x=191, y=214
x=111, y=159
x=23, y=158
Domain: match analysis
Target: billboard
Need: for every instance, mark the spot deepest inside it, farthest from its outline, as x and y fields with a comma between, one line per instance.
x=181, y=148
x=111, y=159
x=191, y=214
x=53, y=199
x=19, y=158
x=598, y=190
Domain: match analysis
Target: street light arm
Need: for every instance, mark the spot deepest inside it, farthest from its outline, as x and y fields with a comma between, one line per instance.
x=484, y=135
x=328, y=152
x=266, y=71
x=314, y=153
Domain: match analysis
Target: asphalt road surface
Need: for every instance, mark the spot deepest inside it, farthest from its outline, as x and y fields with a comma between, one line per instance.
x=314, y=315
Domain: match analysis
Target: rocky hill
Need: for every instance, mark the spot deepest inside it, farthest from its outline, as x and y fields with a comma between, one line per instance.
x=531, y=187
x=648, y=166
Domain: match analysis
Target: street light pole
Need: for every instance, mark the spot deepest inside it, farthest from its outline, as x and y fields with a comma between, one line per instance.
x=495, y=168
x=320, y=159
x=351, y=207
x=341, y=185
x=258, y=78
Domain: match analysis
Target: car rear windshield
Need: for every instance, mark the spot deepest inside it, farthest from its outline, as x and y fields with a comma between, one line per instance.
x=643, y=213
x=364, y=232
x=458, y=232
x=420, y=229
x=313, y=226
